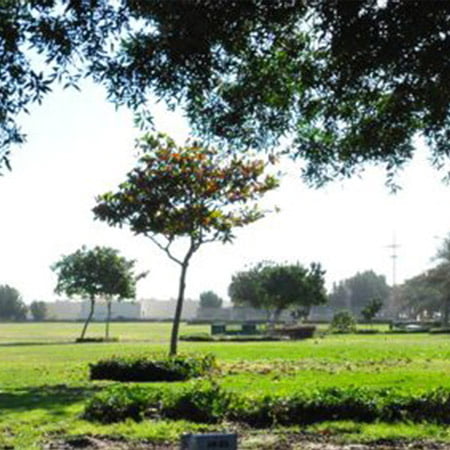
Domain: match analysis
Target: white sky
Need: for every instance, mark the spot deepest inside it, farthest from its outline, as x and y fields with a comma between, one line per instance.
x=79, y=146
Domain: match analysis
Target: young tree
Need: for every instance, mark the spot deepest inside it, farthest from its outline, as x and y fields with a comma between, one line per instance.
x=276, y=287
x=343, y=322
x=191, y=192
x=96, y=273
x=38, y=310
x=372, y=309
x=11, y=305
x=210, y=299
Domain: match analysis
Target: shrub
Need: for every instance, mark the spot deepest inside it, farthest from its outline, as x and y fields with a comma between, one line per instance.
x=440, y=331
x=145, y=368
x=197, y=337
x=343, y=322
x=210, y=403
x=297, y=332
x=204, y=403
x=95, y=340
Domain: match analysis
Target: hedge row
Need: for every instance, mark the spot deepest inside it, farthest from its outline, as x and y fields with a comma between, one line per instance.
x=152, y=368
x=209, y=403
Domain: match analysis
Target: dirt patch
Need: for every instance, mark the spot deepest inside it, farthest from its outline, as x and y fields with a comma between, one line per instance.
x=103, y=443
x=260, y=441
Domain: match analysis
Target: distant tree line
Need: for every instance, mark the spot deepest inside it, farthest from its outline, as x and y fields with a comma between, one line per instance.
x=12, y=307
x=357, y=293
x=427, y=295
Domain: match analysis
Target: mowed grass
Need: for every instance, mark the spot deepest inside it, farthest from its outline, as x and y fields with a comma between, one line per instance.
x=44, y=375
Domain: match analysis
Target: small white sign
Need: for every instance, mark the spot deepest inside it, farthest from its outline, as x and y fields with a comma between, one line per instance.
x=209, y=441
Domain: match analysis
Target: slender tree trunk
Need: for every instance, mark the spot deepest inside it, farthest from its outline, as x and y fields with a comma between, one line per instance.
x=108, y=318
x=178, y=309
x=89, y=317
x=446, y=312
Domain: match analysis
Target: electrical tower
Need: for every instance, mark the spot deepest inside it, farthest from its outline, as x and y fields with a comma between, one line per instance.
x=394, y=246
x=394, y=255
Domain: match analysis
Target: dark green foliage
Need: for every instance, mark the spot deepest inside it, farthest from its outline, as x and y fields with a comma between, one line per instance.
x=276, y=287
x=177, y=368
x=440, y=331
x=210, y=299
x=358, y=291
x=298, y=332
x=209, y=403
x=204, y=337
x=343, y=322
x=11, y=305
x=417, y=296
x=90, y=273
x=87, y=340
x=196, y=337
x=96, y=273
x=353, y=81
x=372, y=309
x=38, y=310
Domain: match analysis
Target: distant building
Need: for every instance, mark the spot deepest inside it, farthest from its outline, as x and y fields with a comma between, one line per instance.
x=237, y=314
x=165, y=309
x=119, y=310
x=79, y=310
x=63, y=310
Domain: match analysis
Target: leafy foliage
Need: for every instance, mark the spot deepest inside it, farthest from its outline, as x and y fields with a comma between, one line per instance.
x=95, y=273
x=38, y=310
x=11, y=305
x=418, y=296
x=191, y=191
x=356, y=292
x=210, y=299
x=372, y=309
x=276, y=287
x=343, y=322
x=353, y=82
x=210, y=403
x=151, y=368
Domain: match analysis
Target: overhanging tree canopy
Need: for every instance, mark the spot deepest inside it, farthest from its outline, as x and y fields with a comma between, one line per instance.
x=350, y=81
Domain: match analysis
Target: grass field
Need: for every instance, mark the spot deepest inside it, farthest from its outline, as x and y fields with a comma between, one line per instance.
x=44, y=376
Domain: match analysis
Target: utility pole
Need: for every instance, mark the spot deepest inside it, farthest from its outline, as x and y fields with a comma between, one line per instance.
x=394, y=246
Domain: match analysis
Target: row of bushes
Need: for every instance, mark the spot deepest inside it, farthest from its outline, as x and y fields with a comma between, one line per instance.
x=207, y=402
x=152, y=368
x=205, y=337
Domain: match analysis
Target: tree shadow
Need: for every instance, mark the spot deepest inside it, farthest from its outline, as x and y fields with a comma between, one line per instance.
x=34, y=343
x=52, y=398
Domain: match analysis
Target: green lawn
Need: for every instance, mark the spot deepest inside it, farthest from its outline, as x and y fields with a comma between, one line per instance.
x=44, y=376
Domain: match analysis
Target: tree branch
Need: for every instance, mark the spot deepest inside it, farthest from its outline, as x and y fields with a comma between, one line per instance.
x=165, y=248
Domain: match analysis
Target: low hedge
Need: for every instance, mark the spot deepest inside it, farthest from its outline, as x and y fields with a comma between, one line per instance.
x=440, y=331
x=152, y=368
x=209, y=403
x=204, y=337
x=95, y=340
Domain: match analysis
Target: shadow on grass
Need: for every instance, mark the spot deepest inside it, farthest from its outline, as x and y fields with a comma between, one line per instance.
x=52, y=398
x=35, y=343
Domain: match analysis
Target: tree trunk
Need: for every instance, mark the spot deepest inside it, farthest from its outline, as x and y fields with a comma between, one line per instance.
x=108, y=318
x=446, y=313
x=89, y=318
x=178, y=309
